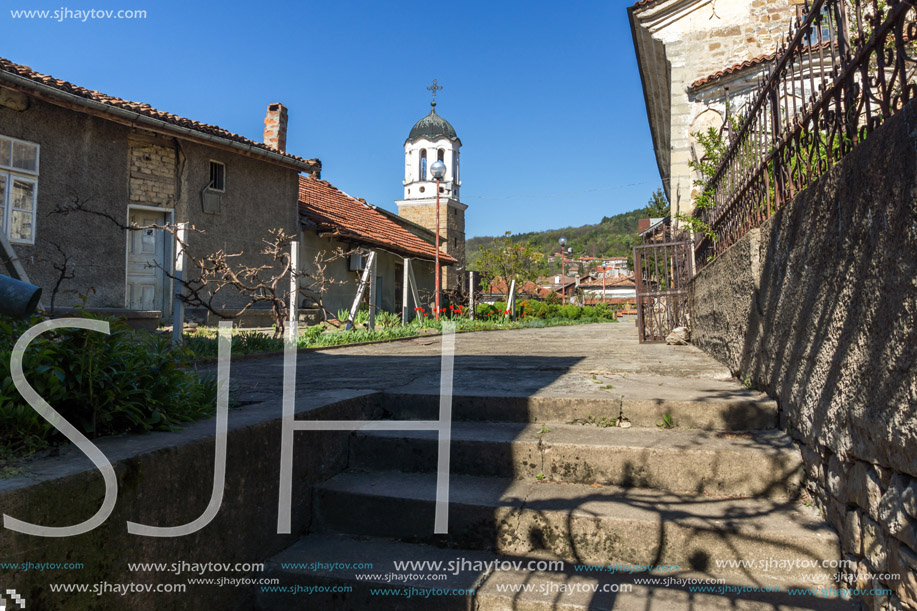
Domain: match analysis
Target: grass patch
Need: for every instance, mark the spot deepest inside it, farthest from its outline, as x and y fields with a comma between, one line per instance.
x=202, y=342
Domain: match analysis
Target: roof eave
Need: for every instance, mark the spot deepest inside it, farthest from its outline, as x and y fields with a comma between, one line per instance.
x=663, y=174
x=55, y=96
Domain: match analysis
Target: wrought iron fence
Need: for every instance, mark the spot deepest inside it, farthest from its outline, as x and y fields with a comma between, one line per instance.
x=662, y=270
x=847, y=66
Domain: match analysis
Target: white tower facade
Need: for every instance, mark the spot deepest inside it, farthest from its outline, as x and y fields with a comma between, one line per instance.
x=431, y=139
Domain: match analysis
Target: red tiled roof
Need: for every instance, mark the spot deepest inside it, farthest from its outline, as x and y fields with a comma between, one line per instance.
x=748, y=63
x=335, y=212
x=141, y=109
x=621, y=281
x=498, y=286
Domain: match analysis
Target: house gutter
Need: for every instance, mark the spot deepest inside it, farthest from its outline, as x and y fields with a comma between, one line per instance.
x=132, y=118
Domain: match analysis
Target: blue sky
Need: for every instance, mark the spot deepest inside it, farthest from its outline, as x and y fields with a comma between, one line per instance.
x=545, y=96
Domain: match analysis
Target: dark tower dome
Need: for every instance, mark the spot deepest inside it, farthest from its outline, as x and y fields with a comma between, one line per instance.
x=432, y=127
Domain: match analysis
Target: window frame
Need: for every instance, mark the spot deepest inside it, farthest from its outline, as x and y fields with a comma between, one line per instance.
x=10, y=174
x=210, y=184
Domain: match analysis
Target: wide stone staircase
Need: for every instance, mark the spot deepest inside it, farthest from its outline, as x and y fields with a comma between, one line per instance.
x=637, y=516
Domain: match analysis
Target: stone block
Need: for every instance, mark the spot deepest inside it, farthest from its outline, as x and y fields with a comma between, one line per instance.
x=909, y=499
x=835, y=481
x=903, y=562
x=892, y=514
x=874, y=546
x=852, y=539
x=864, y=488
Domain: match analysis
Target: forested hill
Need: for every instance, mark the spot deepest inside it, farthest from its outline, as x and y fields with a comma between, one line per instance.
x=613, y=236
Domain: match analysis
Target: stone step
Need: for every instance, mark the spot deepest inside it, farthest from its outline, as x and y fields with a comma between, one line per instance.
x=499, y=582
x=576, y=522
x=683, y=461
x=721, y=407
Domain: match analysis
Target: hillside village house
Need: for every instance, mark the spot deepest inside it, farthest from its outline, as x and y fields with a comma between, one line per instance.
x=699, y=60
x=614, y=290
x=334, y=222
x=61, y=144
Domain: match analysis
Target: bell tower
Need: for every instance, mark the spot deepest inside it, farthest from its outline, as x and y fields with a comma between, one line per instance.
x=431, y=139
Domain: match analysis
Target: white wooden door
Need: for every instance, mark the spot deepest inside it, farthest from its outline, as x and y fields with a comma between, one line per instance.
x=146, y=248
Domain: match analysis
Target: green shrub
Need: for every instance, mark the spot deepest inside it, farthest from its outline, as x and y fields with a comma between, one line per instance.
x=500, y=307
x=588, y=312
x=529, y=308
x=484, y=310
x=603, y=311
x=124, y=382
x=312, y=334
x=570, y=312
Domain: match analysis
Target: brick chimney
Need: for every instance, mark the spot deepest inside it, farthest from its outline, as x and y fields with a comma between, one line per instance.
x=275, y=127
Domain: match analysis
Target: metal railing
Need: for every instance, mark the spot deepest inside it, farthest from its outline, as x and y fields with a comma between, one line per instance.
x=847, y=66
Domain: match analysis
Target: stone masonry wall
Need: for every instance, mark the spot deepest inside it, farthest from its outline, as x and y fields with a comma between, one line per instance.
x=153, y=171
x=452, y=229
x=818, y=308
x=701, y=38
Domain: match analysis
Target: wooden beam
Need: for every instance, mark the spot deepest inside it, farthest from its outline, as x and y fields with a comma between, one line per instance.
x=364, y=280
x=11, y=259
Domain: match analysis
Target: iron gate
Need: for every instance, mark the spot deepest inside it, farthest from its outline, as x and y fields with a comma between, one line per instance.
x=662, y=272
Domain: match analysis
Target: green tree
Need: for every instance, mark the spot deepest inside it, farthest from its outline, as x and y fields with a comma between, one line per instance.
x=509, y=261
x=658, y=205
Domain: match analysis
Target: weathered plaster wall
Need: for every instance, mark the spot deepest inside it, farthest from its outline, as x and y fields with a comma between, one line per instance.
x=258, y=197
x=80, y=157
x=108, y=167
x=390, y=267
x=819, y=308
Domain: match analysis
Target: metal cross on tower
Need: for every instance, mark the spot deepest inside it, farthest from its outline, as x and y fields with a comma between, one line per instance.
x=434, y=88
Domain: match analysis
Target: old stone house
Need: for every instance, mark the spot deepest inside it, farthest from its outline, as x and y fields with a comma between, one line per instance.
x=61, y=144
x=700, y=60
x=334, y=222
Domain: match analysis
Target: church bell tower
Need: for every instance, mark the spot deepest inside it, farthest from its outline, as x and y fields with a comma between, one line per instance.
x=431, y=139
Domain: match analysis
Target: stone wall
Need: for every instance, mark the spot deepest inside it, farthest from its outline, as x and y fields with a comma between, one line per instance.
x=818, y=308
x=451, y=231
x=166, y=479
x=153, y=170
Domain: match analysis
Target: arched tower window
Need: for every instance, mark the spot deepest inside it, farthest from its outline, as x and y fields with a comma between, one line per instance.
x=423, y=164
x=441, y=155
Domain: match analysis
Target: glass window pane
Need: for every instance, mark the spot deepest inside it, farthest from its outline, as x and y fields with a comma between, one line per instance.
x=5, y=151
x=21, y=225
x=25, y=156
x=23, y=194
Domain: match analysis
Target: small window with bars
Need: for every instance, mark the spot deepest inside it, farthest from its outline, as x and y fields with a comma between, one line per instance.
x=217, y=176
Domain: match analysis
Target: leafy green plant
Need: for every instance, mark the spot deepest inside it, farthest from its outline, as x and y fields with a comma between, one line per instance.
x=539, y=477
x=666, y=422
x=544, y=429
x=388, y=320
x=124, y=382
